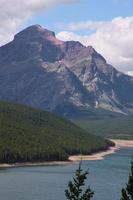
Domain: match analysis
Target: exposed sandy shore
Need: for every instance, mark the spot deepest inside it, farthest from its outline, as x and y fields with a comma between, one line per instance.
x=100, y=156
x=50, y=163
x=96, y=156
x=123, y=143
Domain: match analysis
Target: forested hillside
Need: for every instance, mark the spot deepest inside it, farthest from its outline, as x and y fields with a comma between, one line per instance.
x=28, y=134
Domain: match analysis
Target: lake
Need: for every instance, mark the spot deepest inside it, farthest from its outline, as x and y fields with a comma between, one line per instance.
x=107, y=177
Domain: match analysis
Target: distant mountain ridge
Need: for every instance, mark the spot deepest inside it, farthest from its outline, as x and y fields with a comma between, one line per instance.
x=39, y=70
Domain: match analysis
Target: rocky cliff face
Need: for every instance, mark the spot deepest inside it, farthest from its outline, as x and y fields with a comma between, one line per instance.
x=39, y=70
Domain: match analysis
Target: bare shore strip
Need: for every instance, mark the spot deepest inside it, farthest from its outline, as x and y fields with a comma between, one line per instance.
x=100, y=156
x=32, y=164
x=96, y=156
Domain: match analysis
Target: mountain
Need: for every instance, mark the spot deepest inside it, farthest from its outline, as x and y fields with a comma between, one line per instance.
x=39, y=70
x=28, y=134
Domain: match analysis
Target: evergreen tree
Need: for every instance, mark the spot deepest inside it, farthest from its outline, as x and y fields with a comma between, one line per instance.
x=75, y=188
x=127, y=193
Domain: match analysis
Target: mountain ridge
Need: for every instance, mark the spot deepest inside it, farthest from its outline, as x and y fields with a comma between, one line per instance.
x=39, y=70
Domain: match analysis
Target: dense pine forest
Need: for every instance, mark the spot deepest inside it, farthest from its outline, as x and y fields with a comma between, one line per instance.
x=28, y=134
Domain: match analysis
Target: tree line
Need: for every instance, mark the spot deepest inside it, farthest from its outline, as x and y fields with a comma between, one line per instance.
x=76, y=188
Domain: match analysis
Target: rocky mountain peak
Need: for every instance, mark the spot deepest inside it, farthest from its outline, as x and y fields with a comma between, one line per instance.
x=34, y=32
x=37, y=33
x=39, y=70
x=34, y=42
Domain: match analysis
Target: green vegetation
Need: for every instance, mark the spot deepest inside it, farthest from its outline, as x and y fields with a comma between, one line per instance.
x=104, y=123
x=127, y=193
x=75, y=188
x=28, y=134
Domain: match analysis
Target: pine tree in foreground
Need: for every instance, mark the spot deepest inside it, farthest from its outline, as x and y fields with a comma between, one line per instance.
x=75, y=188
x=127, y=193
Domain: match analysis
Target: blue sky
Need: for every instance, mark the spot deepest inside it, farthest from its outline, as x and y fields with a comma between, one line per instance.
x=84, y=10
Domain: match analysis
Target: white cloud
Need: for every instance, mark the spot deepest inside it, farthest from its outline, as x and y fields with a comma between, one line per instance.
x=14, y=13
x=113, y=39
x=130, y=73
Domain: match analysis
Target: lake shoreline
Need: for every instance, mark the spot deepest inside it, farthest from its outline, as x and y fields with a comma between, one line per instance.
x=100, y=155
x=95, y=156
x=32, y=164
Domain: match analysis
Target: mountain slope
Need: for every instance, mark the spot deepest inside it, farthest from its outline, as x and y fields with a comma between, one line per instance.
x=39, y=70
x=104, y=123
x=28, y=134
x=111, y=89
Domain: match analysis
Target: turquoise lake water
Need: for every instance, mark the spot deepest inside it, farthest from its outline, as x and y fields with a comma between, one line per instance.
x=107, y=177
